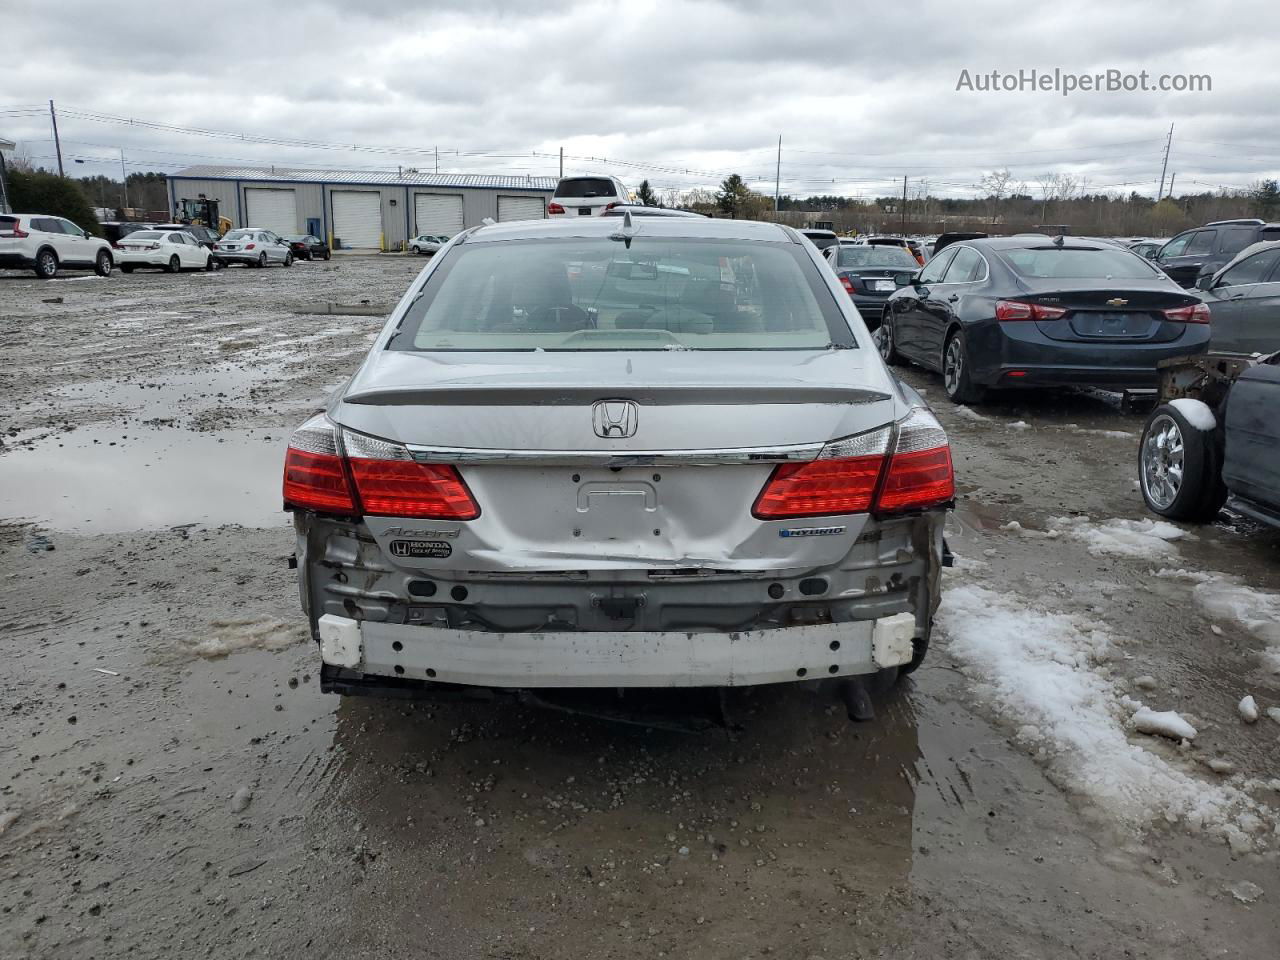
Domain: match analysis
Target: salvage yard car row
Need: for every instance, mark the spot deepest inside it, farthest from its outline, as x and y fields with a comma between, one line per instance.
x=47, y=244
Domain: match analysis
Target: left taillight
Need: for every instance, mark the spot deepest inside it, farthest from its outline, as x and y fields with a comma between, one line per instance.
x=860, y=474
x=847, y=284
x=349, y=473
x=390, y=483
x=1007, y=310
x=315, y=476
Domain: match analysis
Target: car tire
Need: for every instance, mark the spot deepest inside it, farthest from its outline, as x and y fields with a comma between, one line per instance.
x=210, y=265
x=919, y=649
x=126, y=268
x=885, y=342
x=288, y=259
x=326, y=254
x=415, y=250
x=46, y=266
x=1179, y=467
x=174, y=265
x=262, y=260
x=102, y=264
x=955, y=371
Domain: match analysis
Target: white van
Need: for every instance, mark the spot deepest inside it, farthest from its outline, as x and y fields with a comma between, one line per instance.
x=588, y=196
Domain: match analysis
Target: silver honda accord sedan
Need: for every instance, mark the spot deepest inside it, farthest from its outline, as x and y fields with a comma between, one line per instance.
x=597, y=453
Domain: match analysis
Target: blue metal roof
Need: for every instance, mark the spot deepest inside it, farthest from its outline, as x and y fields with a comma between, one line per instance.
x=402, y=178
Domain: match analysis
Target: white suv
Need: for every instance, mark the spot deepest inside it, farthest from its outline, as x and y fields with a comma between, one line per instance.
x=587, y=196
x=46, y=244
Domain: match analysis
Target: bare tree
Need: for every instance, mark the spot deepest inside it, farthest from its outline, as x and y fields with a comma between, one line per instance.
x=997, y=185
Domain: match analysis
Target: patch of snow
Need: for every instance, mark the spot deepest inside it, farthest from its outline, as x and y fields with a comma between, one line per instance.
x=962, y=564
x=1138, y=539
x=1248, y=708
x=1164, y=723
x=1197, y=413
x=1018, y=425
x=1044, y=673
x=1246, y=891
x=229, y=636
x=1194, y=576
x=969, y=414
x=1013, y=526
x=1094, y=432
x=1274, y=713
x=1226, y=598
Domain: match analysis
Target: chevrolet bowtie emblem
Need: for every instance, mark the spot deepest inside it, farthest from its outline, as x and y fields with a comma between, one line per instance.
x=1117, y=302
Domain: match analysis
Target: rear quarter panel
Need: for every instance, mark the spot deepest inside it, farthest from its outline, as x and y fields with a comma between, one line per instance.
x=1251, y=466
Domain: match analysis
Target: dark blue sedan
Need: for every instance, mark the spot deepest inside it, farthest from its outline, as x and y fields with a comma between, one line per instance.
x=1030, y=311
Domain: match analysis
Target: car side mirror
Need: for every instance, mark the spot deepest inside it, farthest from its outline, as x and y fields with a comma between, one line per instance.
x=1204, y=282
x=905, y=278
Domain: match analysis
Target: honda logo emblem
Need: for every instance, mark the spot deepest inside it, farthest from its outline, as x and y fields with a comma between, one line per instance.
x=615, y=418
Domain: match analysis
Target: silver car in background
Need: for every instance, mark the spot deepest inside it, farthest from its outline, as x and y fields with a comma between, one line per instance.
x=253, y=248
x=599, y=453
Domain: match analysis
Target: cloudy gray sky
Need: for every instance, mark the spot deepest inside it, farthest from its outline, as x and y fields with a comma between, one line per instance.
x=678, y=91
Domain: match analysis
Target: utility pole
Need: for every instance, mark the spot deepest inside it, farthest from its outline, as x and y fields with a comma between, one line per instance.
x=1164, y=166
x=777, y=176
x=904, y=206
x=437, y=158
x=124, y=177
x=57, y=144
x=1171, y=179
x=562, y=163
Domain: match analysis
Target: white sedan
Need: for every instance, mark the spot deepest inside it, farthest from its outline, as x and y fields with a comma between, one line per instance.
x=426, y=243
x=172, y=251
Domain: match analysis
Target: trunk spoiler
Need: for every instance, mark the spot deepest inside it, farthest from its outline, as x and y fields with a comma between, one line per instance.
x=578, y=395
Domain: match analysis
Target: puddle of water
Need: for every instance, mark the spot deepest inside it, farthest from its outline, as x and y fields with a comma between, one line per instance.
x=147, y=480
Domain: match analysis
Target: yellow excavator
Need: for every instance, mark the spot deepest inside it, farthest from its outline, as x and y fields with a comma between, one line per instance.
x=202, y=212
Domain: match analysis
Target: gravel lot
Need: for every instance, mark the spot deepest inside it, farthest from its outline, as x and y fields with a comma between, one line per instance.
x=175, y=785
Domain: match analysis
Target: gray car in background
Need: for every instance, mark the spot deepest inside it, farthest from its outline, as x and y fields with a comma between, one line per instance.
x=1244, y=298
x=686, y=466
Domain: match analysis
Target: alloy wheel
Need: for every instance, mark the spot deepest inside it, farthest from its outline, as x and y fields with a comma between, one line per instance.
x=1163, y=461
x=953, y=365
x=884, y=339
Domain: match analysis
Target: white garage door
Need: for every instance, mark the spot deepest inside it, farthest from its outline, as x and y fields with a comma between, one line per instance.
x=438, y=214
x=357, y=219
x=274, y=210
x=520, y=208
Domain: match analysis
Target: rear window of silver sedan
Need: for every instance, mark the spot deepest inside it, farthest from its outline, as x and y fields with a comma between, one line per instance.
x=658, y=293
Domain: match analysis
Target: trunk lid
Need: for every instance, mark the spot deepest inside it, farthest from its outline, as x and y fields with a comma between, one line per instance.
x=678, y=493
x=1104, y=312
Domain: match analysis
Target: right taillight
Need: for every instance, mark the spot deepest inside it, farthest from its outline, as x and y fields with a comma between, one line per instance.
x=365, y=475
x=554, y=208
x=1195, y=313
x=859, y=474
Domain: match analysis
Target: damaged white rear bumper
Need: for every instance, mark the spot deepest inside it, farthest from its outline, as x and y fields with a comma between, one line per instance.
x=621, y=659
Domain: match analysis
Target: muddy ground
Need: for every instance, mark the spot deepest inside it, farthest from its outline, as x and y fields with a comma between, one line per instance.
x=172, y=783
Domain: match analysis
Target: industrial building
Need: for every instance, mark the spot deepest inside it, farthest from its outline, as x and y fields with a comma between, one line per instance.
x=361, y=209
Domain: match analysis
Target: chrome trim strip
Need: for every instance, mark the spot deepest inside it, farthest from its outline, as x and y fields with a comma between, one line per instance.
x=616, y=458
